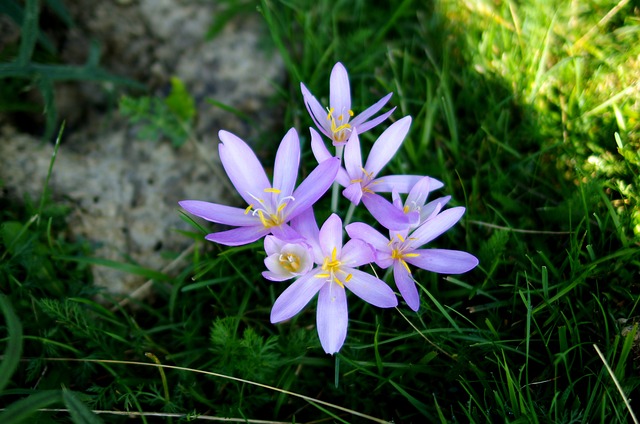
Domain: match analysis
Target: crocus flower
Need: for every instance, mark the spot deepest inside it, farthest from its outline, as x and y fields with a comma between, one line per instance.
x=402, y=250
x=361, y=182
x=335, y=122
x=415, y=207
x=270, y=206
x=286, y=260
x=335, y=271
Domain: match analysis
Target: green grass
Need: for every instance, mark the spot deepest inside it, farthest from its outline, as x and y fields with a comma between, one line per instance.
x=527, y=111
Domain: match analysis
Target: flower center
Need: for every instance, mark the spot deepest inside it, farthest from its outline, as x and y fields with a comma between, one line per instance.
x=340, y=127
x=331, y=266
x=270, y=213
x=398, y=254
x=290, y=262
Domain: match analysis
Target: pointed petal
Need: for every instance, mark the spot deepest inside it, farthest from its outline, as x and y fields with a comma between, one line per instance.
x=401, y=183
x=356, y=253
x=353, y=192
x=370, y=289
x=387, y=145
x=286, y=233
x=296, y=296
x=242, y=166
x=360, y=121
x=317, y=112
x=366, y=126
x=385, y=213
x=353, y=157
x=313, y=187
x=238, y=236
x=435, y=226
x=332, y=317
x=330, y=236
x=319, y=149
x=285, y=170
x=221, y=214
x=432, y=208
x=444, y=261
x=305, y=224
x=419, y=192
x=365, y=232
x=339, y=90
x=406, y=285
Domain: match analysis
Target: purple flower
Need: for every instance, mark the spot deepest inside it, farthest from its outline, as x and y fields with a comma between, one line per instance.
x=270, y=206
x=361, y=182
x=402, y=249
x=415, y=207
x=335, y=122
x=335, y=270
x=286, y=260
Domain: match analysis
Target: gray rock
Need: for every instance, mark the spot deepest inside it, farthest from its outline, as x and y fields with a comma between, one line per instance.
x=124, y=191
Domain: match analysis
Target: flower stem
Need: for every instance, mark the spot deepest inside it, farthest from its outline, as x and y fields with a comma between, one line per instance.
x=336, y=186
x=347, y=219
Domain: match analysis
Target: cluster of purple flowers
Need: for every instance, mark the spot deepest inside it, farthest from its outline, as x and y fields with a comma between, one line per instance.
x=316, y=257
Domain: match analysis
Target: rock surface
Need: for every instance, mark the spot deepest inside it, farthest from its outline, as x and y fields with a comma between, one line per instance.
x=124, y=191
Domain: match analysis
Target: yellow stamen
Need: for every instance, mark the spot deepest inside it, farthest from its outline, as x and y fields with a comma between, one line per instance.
x=349, y=277
x=272, y=190
x=246, y=211
x=405, y=209
x=411, y=255
x=359, y=180
x=281, y=207
x=400, y=238
x=350, y=112
x=402, y=261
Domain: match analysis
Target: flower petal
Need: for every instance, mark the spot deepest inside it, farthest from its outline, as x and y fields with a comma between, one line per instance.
x=353, y=192
x=433, y=208
x=313, y=187
x=220, y=214
x=406, y=285
x=296, y=296
x=273, y=244
x=238, y=236
x=330, y=236
x=385, y=213
x=339, y=90
x=305, y=224
x=319, y=149
x=365, y=232
x=360, y=121
x=332, y=317
x=317, y=112
x=419, y=192
x=356, y=253
x=401, y=183
x=443, y=261
x=435, y=226
x=242, y=166
x=387, y=145
x=353, y=157
x=366, y=126
x=370, y=289
x=285, y=170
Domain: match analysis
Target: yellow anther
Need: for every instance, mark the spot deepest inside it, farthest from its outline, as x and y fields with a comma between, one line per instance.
x=400, y=237
x=350, y=112
x=359, y=180
x=281, y=207
x=349, y=277
x=322, y=275
x=405, y=265
x=411, y=255
x=272, y=190
x=330, y=115
x=246, y=211
x=405, y=209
